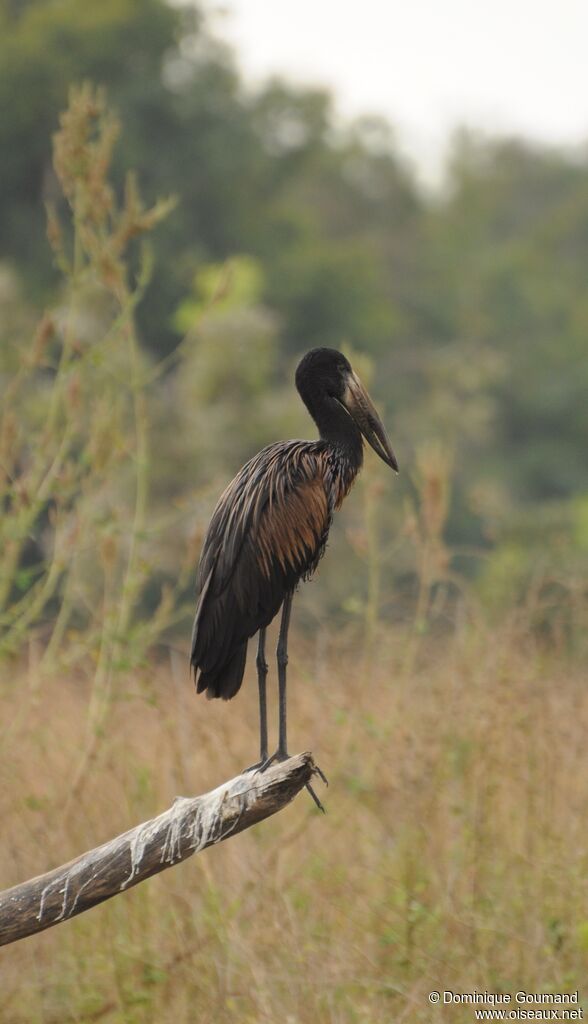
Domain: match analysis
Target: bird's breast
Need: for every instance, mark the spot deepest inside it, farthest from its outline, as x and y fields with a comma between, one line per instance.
x=339, y=478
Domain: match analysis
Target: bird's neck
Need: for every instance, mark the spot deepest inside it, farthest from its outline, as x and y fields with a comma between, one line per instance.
x=338, y=430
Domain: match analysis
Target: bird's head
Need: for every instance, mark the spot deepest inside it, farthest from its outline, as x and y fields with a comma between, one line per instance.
x=323, y=377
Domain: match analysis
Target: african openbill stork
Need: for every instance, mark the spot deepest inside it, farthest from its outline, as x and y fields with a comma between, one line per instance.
x=269, y=531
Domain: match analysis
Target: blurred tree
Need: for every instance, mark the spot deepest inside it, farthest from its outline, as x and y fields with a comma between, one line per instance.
x=186, y=130
x=514, y=235
x=472, y=303
x=343, y=225
x=45, y=45
x=330, y=215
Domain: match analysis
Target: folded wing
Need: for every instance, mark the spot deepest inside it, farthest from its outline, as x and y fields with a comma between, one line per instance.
x=268, y=531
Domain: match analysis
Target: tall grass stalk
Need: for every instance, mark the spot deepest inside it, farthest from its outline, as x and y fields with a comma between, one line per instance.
x=74, y=430
x=425, y=523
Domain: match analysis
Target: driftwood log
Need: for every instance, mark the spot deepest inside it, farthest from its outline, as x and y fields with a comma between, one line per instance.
x=188, y=826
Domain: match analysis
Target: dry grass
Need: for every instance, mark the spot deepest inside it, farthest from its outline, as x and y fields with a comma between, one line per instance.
x=454, y=853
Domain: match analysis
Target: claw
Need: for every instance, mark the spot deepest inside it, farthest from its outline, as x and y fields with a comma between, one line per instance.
x=315, y=797
x=318, y=771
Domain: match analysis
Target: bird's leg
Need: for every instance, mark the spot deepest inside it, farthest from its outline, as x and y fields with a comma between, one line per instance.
x=282, y=658
x=281, y=753
x=262, y=668
x=261, y=678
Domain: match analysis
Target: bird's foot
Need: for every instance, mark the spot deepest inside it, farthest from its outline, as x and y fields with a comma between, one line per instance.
x=283, y=755
x=258, y=766
x=276, y=758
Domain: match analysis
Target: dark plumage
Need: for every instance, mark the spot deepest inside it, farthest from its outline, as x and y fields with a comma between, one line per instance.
x=270, y=527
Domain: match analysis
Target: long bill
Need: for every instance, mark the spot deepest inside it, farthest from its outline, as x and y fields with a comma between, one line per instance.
x=363, y=411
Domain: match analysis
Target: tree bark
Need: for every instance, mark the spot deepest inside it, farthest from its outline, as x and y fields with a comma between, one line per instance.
x=188, y=826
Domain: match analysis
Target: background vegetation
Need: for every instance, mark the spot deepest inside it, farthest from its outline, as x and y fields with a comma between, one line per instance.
x=147, y=348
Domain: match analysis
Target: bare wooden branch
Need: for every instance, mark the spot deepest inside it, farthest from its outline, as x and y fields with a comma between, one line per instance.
x=190, y=825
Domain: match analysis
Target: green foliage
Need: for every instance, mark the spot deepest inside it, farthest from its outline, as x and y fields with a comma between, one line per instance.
x=237, y=284
x=44, y=48
x=229, y=397
x=522, y=222
x=293, y=230
x=74, y=451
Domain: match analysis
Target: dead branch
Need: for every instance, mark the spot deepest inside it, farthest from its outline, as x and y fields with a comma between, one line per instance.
x=188, y=826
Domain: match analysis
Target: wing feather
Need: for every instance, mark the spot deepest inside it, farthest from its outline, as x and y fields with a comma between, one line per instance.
x=268, y=530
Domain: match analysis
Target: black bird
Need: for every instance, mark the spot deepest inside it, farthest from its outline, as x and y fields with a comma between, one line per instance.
x=269, y=531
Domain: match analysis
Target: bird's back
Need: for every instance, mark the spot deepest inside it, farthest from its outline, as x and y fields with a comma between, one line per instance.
x=268, y=531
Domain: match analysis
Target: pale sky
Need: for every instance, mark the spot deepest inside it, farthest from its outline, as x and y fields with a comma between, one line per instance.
x=427, y=65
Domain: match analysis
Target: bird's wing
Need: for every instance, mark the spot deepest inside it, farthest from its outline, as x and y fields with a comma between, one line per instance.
x=268, y=530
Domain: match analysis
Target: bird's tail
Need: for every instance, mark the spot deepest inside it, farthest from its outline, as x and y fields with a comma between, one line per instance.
x=225, y=681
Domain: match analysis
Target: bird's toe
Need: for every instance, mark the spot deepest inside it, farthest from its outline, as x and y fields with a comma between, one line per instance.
x=257, y=767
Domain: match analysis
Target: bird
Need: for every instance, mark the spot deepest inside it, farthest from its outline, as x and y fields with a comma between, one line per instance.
x=269, y=531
